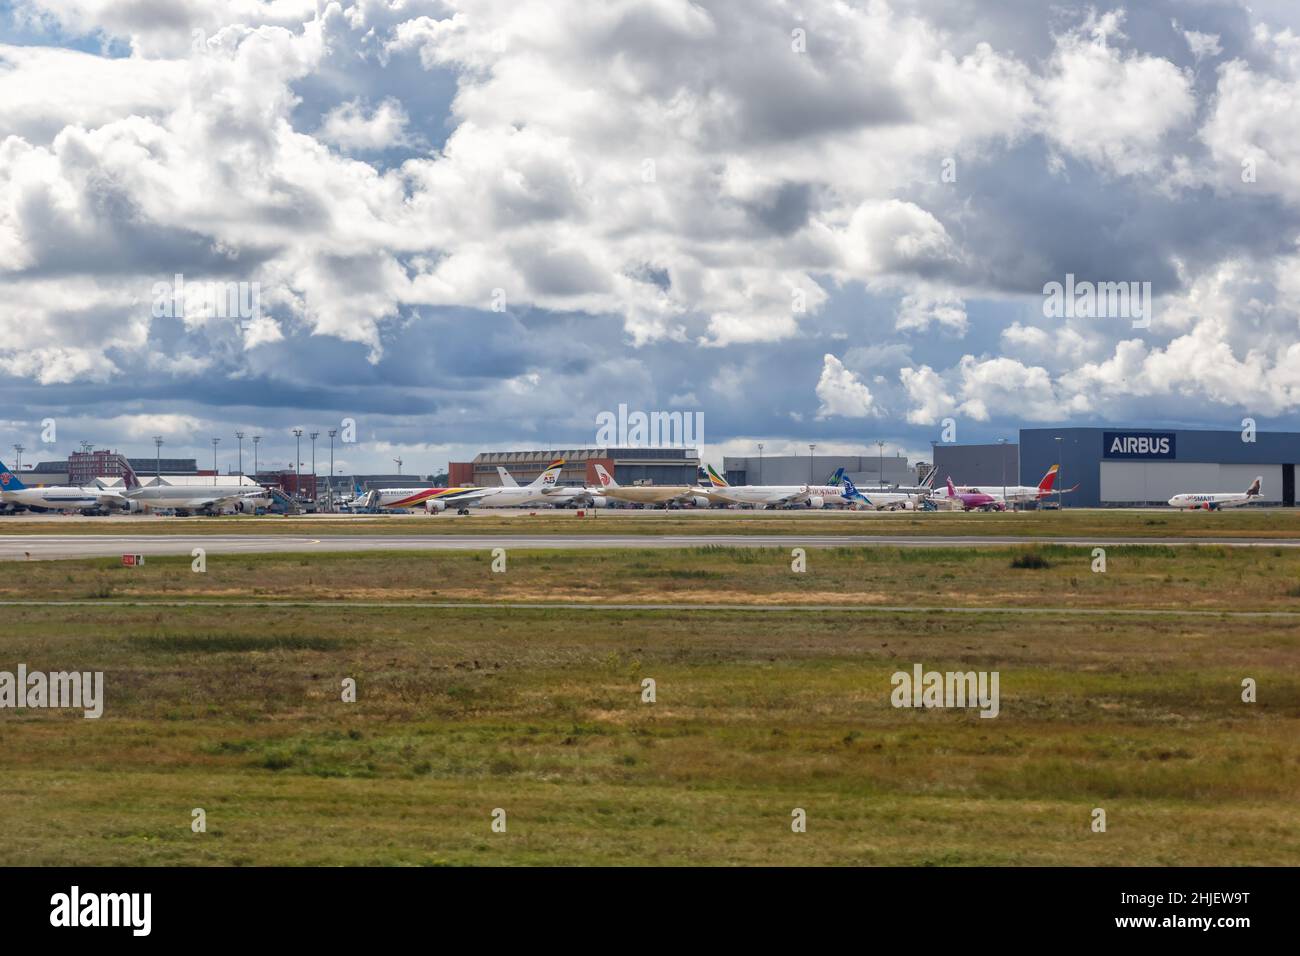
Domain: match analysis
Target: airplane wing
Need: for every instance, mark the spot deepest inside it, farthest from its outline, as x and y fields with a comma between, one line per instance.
x=798, y=497
x=222, y=500
x=716, y=495
x=467, y=498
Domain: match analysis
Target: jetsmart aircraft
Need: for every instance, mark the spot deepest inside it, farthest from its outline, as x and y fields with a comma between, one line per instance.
x=87, y=500
x=1213, y=501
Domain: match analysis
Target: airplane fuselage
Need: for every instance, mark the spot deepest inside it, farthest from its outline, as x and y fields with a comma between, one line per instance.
x=1210, y=501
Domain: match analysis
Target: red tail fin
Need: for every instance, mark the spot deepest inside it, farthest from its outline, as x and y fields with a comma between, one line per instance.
x=1049, y=479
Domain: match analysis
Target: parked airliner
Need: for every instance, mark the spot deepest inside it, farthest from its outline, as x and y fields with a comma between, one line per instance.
x=1214, y=500
x=88, y=500
x=642, y=494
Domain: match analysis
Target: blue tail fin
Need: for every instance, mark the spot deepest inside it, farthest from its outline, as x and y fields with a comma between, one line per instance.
x=836, y=478
x=851, y=491
x=8, y=480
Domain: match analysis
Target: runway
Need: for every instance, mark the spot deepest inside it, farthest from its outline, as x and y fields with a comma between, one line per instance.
x=45, y=547
x=335, y=606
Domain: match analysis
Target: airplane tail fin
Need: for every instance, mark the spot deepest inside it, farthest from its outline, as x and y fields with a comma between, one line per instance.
x=851, y=491
x=952, y=492
x=550, y=476
x=129, y=480
x=1049, y=479
x=929, y=478
x=506, y=480
x=836, y=478
x=606, y=479
x=8, y=480
x=1253, y=490
x=715, y=479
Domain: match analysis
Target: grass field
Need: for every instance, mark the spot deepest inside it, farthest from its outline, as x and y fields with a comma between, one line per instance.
x=1246, y=523
x=1136, y=576
x=238, y=710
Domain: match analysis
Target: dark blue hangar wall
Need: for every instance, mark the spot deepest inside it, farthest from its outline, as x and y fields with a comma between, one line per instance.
x=1124, y=465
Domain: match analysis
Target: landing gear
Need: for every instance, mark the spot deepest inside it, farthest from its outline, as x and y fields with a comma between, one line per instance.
x=462, y=511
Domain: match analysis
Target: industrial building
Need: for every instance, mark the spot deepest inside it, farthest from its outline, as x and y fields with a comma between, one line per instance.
x=629, y=466
x=865, y=471
x=1148, y=466
x=83, y=467
x=986, y=465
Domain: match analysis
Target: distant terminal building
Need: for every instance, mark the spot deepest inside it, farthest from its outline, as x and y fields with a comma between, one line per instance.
x=1118, y=465
x=629, y=466
x=344, y=485
x=864, y=470
x=84, y=467
x=295, y=484
x=978, y=465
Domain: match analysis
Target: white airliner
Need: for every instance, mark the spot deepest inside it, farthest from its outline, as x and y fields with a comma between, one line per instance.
x=88, y=500
x=780, y=496
x=1213, y=501
x=642, y=494
x=560, y=496
x=462, y=498
x=1018, y=494
x=512, y=495
x=186, y=499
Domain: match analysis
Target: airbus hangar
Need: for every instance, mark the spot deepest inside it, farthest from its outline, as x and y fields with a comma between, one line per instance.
x=1139, y=466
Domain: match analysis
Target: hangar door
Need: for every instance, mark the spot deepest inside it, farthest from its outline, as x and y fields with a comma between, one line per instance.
x=1149, y=482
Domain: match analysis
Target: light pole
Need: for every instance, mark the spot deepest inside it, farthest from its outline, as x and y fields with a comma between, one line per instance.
x=157, y=458
x=399, y=465
x=214, y=459
x=313, y=436
x=257, y=440
x=240, y=436
x=760, y=463
x=332, y=433
x=1058, y=472
x=297, y=463
x=1002, y=442
x=19, y=449
x=881, y=446
x=812, y=447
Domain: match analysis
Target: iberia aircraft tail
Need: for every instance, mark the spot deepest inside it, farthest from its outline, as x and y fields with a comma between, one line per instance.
x=1049, y=479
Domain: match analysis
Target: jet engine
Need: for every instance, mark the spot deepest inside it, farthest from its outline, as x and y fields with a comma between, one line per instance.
x=816, y=501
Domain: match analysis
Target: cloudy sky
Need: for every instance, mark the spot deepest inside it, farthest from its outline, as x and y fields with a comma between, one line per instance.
x=476, y=224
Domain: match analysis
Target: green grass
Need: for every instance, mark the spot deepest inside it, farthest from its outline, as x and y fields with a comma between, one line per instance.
x=1193, y=577
x=238, y=711
x=1070, y=522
